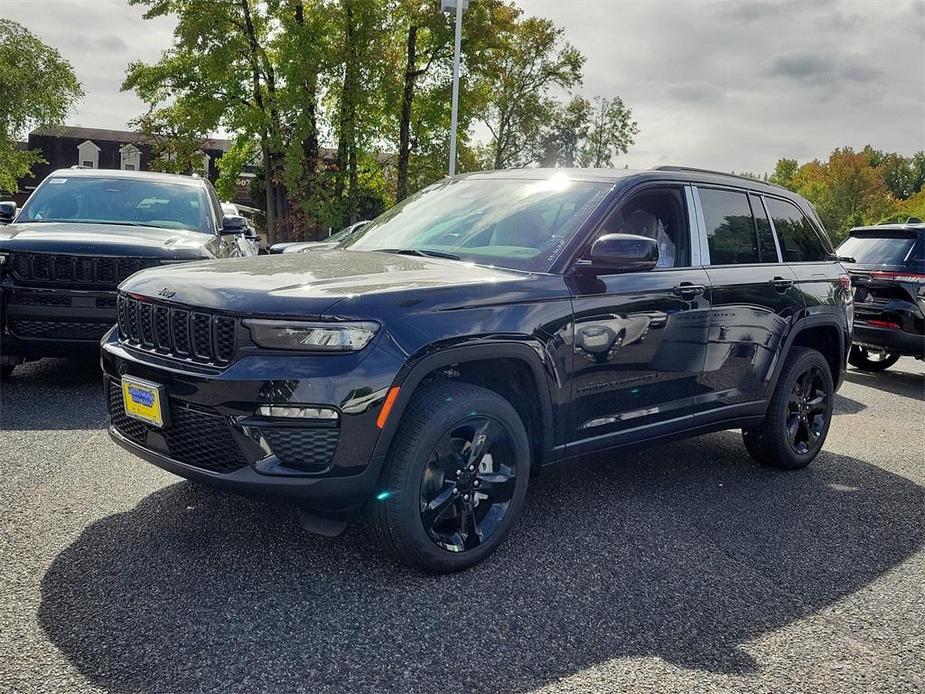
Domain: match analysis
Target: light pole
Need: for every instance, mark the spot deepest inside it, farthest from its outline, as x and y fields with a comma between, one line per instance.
x=460, y=6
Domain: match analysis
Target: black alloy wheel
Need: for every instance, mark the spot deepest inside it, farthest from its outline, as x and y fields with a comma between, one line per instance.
x=454, y=480
x=468, y=484
x=808, y=406
x=799, y=413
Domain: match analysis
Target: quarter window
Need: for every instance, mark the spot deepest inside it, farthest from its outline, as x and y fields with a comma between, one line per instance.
x=799, y=241
x=730, y=227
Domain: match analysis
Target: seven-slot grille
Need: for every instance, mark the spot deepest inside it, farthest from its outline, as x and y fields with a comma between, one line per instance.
x=77, y=269
x=177, y=332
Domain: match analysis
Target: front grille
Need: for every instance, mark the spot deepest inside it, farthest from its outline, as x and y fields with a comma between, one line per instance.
x=196, y=436
x=175, y=332
x=308, y=449
x=76, y=269
x=58, y=330
x=21, y=299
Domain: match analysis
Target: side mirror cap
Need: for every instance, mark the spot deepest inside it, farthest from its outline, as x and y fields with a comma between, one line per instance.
x=613, y=253
x=7, y=212
x=233, y=224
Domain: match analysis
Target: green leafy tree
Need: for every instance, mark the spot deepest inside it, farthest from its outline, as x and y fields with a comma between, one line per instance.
x=611, y=133
x=784, y=172
x=528, y=60
x=38, y=88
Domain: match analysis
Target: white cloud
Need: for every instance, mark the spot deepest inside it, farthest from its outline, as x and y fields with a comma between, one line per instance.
x=728, y=84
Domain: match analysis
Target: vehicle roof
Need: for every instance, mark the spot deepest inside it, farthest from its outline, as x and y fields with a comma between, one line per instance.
x=666, y=173
x=916, y=226
x=117, y=173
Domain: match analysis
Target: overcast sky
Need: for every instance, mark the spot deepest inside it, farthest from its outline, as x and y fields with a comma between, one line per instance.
x=726, y=84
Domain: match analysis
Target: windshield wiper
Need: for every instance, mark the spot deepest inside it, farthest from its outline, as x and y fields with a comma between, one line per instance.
x=420, y=252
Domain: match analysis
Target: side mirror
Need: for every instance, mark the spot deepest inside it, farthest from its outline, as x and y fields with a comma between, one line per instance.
x=7, y=212
x=624, y=253
x=233, y=224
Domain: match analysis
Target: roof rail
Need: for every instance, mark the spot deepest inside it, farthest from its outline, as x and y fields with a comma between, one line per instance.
x=694, y=169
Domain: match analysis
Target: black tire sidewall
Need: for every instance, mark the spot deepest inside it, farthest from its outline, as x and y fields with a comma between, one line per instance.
x=403, y=478
x=807, y=359
x=859, y=359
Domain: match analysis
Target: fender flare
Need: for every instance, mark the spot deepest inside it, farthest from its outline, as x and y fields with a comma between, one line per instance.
x=410, y=377
x=803, y=324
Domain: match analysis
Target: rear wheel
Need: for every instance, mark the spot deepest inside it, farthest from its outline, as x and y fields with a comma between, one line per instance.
x=455, y=479
x=799, y=414
x=869, y=360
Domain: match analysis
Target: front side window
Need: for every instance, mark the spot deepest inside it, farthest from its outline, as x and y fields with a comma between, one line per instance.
x=132, y=202
x=799, y=241
x=730, y=227
x=660, y=214
x=514, y=223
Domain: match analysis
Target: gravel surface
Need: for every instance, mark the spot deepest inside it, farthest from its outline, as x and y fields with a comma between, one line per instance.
x=681, y=568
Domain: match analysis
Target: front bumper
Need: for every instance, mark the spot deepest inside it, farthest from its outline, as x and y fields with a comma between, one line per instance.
x=37, y=322
x=215, y=436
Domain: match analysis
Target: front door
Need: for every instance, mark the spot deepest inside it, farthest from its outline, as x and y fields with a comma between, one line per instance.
x=639, y=338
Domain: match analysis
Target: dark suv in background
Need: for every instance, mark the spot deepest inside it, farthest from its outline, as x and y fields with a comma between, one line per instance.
x=80, y=234
x=484, y=328
x=887, y=266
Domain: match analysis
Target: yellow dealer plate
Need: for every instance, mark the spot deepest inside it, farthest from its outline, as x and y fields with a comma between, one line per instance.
x=143, y=400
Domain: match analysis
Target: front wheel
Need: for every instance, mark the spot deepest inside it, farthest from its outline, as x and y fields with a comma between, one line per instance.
x=868, y=360
x=454, y=481
x=799, y=414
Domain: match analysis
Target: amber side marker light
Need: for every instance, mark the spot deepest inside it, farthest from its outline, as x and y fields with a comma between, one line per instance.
x=387, y=406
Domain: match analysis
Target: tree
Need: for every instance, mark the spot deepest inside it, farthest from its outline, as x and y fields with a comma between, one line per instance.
x=38, y=88
x=611, y=133
x=784, y=172
x=561, y=141
x=529, y=58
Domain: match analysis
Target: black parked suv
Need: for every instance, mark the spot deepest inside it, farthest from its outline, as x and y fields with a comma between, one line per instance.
x=887, y=266
x=81, y=233
x=488, y=326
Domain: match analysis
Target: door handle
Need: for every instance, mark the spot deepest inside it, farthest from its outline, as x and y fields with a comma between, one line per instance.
x=688, y=291
x=781, y=285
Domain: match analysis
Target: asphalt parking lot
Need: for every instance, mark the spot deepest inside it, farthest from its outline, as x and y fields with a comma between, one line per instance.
x=682, y=568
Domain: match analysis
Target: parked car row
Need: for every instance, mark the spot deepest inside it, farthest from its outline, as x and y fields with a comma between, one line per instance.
x=421, y=367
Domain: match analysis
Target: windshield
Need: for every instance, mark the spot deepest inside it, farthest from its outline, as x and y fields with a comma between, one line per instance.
x=512, y=223
x=129, y=201
x=878, y=250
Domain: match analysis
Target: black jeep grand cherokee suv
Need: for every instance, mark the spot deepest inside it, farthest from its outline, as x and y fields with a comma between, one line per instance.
x=488, y=326
x=81, y=233
x=887, y=267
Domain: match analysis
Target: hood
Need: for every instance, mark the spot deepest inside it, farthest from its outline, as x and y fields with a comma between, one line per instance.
x=304, y=284
x=102, y=239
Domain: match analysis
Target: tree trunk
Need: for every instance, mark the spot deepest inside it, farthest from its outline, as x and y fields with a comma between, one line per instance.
x=404, y=130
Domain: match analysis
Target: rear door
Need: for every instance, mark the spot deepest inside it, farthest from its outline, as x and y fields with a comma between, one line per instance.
x=754, y=302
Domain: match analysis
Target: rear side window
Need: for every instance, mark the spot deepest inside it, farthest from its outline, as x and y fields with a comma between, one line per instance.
x=730, y=227
x=799, y=241
x=767, y=250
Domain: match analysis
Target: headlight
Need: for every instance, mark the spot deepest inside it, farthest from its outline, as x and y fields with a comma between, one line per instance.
x=312, y=337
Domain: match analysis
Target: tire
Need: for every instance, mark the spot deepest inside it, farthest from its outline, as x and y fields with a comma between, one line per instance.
x=6, y=370
x=773, y=442
x=435, y=514
x=860, y=358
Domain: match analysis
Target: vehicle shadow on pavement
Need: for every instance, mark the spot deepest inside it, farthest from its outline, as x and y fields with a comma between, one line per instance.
x=54, y=394
x=684, y=552
x=896, y=381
